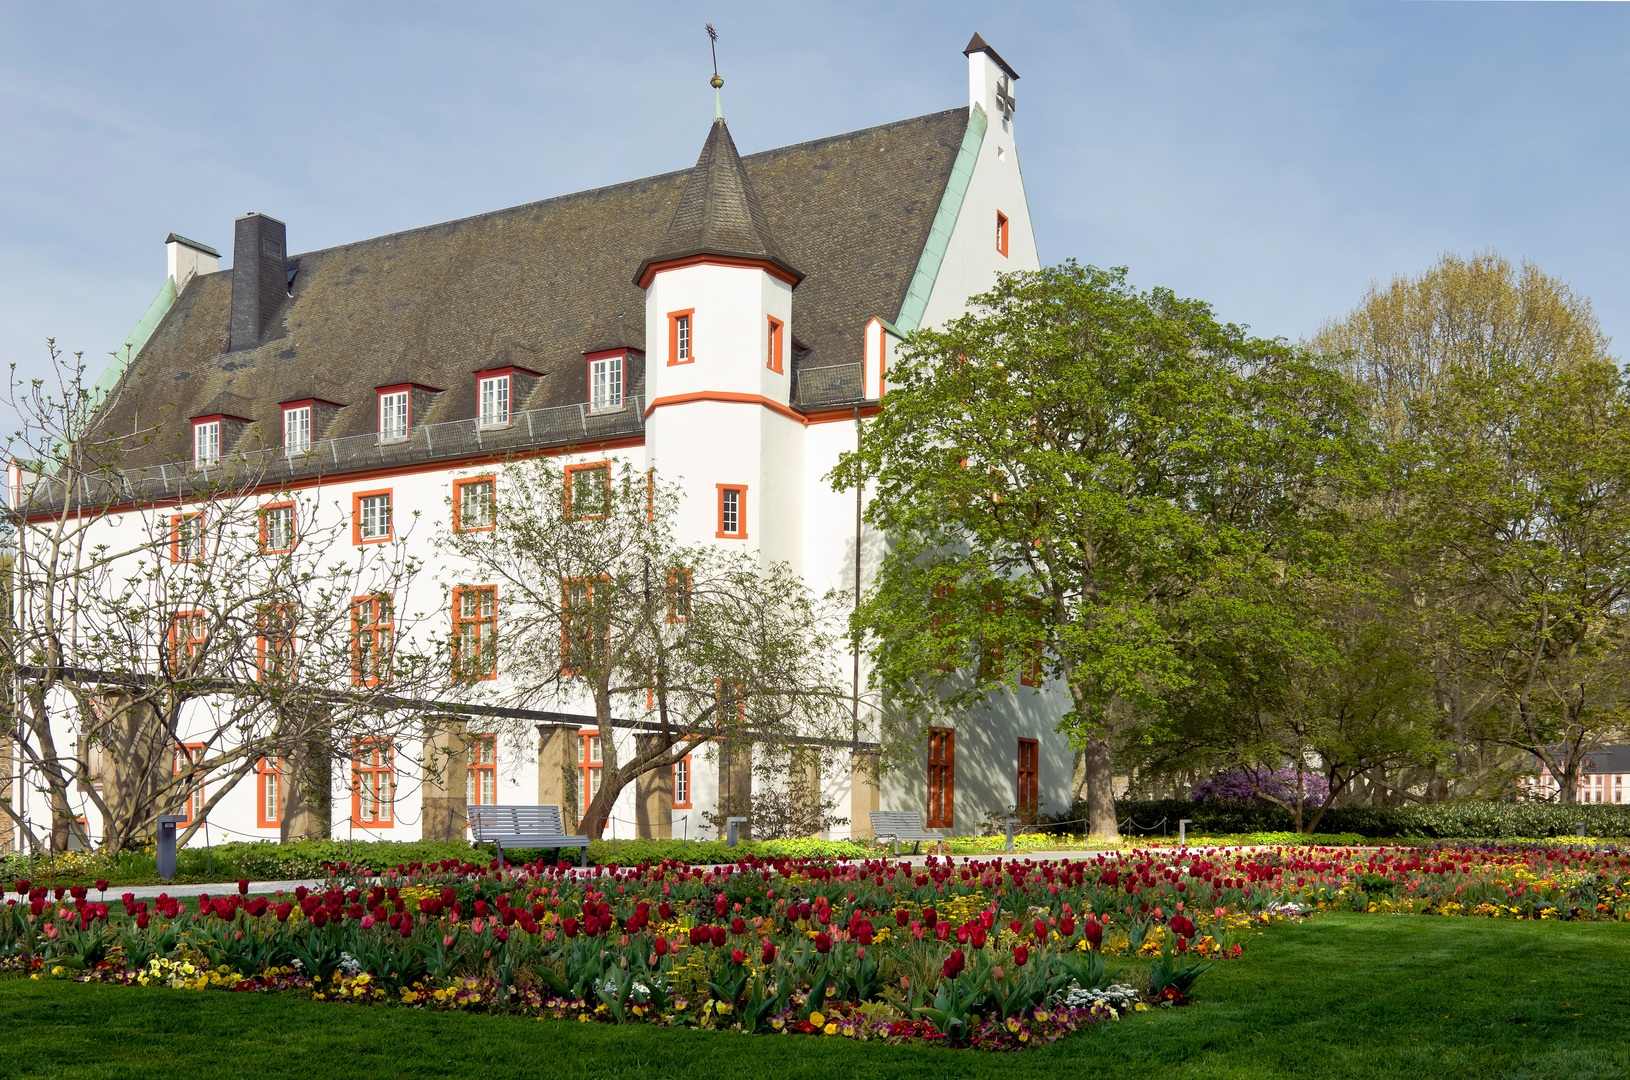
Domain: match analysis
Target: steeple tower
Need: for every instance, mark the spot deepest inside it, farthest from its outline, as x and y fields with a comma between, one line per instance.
x=719, y=215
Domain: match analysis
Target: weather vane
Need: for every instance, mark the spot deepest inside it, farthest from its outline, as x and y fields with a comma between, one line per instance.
x=716, y=81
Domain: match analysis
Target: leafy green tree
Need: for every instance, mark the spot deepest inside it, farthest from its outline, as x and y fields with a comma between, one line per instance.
x=1084, y=482
x=597, y=600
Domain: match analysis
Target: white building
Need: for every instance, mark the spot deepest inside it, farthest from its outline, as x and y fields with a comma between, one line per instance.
x=726, y=324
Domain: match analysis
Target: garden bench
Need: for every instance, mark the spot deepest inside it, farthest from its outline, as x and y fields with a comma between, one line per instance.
x=900, y=825
x=522, y=827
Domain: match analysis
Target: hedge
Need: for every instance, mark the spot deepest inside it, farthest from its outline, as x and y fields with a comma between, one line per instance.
x=1469, y=820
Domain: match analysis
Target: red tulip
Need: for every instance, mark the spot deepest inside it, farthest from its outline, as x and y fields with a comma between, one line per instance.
x=769, y=953
x=823, y=944
x=243, y=886
x=1021, y=955
x=737, y=956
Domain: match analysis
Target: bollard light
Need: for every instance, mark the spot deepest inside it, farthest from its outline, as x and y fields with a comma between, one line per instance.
x=166, y=844
x=1183, y=831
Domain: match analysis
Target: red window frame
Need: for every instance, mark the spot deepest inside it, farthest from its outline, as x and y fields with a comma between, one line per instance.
x=194, y=802
x=673, y=336
x=196, y=635
x=372, y=620
x=268, y=775
x=356, y=517
x=1001, y=234
x=481, y=770
x=379, y=410
x=194, y=519
x=219, y=420
x=275, y=649
x=590, y=359
x=458, y=504
x=941, y=778
x=741, y=512
x=486, y=631
x=566, y=605
x=260, y=527
x=682, y=779
x=1029, y=771
x=775, y=363
x=587, y=762
x=939, y=623
x=571, y=482
x=679, y=594
x=374, y=766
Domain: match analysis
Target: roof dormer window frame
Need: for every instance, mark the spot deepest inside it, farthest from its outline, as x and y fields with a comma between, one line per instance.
x=498, y=392
x=210, y=436
x=298, y=417
x=607, y=371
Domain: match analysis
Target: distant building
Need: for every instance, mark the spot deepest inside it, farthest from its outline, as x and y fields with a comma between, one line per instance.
x=1605, y=778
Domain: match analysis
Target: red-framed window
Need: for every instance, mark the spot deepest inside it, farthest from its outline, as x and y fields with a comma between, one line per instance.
x=732, y=519
x=679, y=594
x=481, y=770
x=1001, y=234
x=1030, y=670
x=372, y=632
x=493, y=392
x=588, y=490
x=475, y=632
x=776, y=361
x=607, y=377
x=590, y=764
x=681, y=784
x=373, y=784
x=275, y=645
x=187, y=636
x=187, y=537
x=941, y=626
x=371, y=520
x=475, y=504
x=187, y=756
x=268, y=793
x=395, y=412
x=297, y=428
x=1029, y=772
x=276, y=527
x=941, y=777
x=681, y=336
x=580, y=645
x=206, y=441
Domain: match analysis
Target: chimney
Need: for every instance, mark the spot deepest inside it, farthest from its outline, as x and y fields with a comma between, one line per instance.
x=259, y=276
x=188, y=259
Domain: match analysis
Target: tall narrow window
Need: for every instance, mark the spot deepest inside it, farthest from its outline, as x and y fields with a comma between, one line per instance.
x=775, y=361
x=276, y=528
x=495, y=401
x=681, y=792
x=481, y=771
x=679, y=594
x=268, y=793
x=590, y=765
x=588, y=490
x=373, y=784
x=475, y=633
x=681, y=336
x=475, y=504
x=187, y=756
x=584, y=637
x=206, y=442
x=187, y=637
x=732, y=512
x=275, y=648
x=371, y=517
x=1001, y=234
x=187, y=537
x=393, y=416
x=1029, y=770
x=296, y=430
x=941, y=777
x=606, y=383
x=372, y=627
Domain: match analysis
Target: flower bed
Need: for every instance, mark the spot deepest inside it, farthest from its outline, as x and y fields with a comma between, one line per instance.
x=998, y=954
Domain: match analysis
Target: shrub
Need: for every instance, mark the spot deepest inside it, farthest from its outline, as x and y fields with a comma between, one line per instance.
x=1469, y=820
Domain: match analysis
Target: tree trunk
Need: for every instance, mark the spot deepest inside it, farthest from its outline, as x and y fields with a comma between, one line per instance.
x=1100, y=785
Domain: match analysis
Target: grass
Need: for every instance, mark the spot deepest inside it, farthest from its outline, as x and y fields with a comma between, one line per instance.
x=1347, y=996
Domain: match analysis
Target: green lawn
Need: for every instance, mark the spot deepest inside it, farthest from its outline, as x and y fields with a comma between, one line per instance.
x=1342, y=996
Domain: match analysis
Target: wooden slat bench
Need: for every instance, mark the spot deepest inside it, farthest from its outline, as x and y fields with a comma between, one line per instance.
x=522, y=827
x=900, y=825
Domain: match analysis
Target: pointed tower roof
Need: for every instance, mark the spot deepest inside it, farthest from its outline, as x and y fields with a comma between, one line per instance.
x=718, y=214
x=977, y=44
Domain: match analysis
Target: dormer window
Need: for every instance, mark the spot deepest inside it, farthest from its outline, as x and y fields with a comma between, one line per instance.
x=494, y=395
x=206, y=442
x=296, y=430
x=393, y=414
x=606, y=372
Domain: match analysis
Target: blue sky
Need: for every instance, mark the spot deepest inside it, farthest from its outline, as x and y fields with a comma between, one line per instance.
x=1271, y=159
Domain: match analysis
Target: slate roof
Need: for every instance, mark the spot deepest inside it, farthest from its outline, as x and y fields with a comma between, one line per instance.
x=537, y=285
